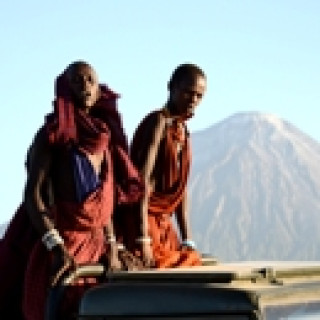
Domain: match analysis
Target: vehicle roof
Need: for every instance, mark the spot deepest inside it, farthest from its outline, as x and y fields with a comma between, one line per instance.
x=237, y=287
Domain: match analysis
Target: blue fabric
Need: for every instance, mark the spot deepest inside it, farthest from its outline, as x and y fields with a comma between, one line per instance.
x=86, y=179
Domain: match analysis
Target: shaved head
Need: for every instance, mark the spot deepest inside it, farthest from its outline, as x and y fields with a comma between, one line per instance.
x=185, y=72
x=186, y=87
x=84, y=84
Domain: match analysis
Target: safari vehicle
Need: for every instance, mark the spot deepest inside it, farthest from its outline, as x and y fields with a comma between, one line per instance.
x=218, y=291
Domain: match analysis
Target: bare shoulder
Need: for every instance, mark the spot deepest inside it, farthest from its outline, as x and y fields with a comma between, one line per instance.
x=159, y=122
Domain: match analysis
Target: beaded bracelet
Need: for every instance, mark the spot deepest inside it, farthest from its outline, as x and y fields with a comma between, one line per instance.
x=120, y=247
x=111, y=239
x=144, y=239
x=189, y=243
x=51, y=239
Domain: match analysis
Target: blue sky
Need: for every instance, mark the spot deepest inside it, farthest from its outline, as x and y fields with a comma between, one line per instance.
x=259, y=55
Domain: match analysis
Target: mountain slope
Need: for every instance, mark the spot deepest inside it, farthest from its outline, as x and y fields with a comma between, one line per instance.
x=255, y=190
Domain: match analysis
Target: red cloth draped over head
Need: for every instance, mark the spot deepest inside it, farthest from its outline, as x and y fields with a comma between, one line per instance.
x=93, y=132
x=69, y=124
x=80, y=224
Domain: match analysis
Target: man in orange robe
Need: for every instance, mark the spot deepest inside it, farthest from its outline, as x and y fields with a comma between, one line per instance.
x=161, y=150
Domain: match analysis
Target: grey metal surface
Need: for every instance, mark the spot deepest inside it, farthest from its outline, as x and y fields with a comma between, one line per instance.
x=242, y=289
x=156, y=299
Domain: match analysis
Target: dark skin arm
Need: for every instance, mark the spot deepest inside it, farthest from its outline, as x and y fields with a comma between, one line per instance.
x=38, y=167
x=113, y=258
x=146, y=173
x=38, y=176
x=182, y=218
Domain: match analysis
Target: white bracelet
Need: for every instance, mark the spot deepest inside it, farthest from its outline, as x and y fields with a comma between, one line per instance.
x=51, y=239
x=120, y=247
x=144, y=239
x=189, y=243
x=111, y=239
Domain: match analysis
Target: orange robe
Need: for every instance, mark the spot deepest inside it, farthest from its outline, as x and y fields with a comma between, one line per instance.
x=171, y=173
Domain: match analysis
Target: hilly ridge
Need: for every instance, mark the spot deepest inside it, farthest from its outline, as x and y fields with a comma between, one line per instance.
x=255, y=190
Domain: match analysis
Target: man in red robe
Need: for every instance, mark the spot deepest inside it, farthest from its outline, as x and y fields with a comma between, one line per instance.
x=15, y=248
x=79, y=171
x=161, y=150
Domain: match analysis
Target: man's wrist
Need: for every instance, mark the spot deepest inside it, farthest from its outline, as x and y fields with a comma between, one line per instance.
x=189, y=243
x=52, y=239
x=144, y=239
x=111, y=239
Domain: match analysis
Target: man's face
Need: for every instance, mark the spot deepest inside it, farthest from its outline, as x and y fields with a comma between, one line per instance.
x=187, y=95
x=84, y=85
